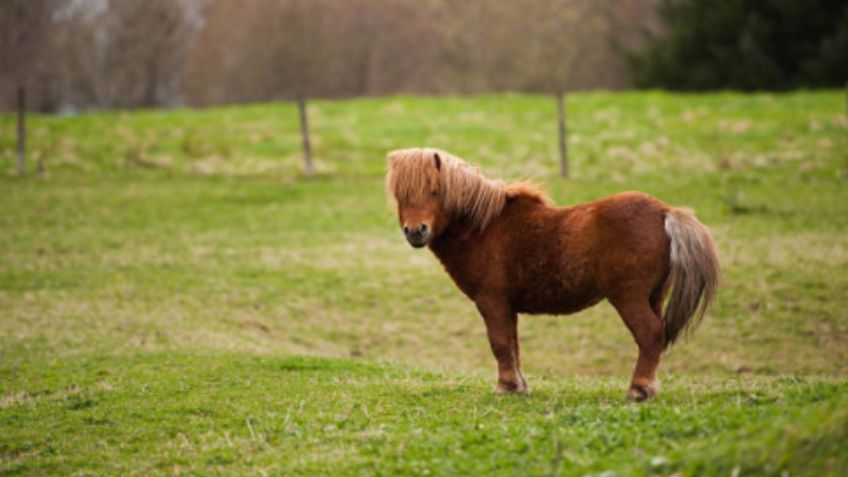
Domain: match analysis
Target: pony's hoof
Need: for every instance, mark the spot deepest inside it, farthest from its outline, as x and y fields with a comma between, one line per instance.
x=512, y=388
x=641, y=392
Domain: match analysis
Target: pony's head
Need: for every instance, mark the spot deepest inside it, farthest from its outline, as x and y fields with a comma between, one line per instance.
x=431, y=188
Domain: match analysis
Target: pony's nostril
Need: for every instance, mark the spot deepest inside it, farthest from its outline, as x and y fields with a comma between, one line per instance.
x=423, y=228
x=406, y=230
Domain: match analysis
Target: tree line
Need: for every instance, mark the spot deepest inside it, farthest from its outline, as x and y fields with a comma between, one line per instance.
x=81, y=54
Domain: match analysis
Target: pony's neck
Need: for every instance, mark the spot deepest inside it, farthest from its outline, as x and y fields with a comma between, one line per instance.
x=462, y=233
x=461, y=236
x=458, y=234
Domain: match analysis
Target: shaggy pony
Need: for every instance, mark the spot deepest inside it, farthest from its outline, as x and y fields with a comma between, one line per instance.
x=510, y=251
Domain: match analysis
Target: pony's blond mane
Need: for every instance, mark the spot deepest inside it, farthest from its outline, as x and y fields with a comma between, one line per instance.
x=463, y=189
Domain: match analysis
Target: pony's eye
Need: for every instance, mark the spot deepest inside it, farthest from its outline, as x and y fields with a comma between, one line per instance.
x=434, y=193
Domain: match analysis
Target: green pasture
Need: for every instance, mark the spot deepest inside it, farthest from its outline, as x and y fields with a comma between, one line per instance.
x=177, y=299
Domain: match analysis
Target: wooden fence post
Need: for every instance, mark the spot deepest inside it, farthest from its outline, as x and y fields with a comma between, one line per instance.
x=304, y=131
x=21, y=131
x=563, y=142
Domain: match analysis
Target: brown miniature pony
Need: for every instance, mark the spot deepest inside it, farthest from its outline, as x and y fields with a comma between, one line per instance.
x=511, y=252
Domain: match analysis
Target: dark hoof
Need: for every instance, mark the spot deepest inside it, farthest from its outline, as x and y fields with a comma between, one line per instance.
x=642, y=393
x=519, y=387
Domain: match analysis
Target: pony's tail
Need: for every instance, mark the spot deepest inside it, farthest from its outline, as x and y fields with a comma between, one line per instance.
x=693, y=275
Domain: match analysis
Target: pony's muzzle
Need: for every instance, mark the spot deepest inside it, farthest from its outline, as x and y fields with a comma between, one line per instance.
x=417, y=236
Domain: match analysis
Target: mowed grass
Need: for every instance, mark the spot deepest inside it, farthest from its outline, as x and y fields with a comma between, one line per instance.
x=176, y=298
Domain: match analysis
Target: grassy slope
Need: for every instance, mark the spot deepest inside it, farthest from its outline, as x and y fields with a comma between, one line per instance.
x=155, y=286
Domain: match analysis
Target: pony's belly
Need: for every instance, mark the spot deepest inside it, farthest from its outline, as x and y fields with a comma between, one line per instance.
x=559, y=304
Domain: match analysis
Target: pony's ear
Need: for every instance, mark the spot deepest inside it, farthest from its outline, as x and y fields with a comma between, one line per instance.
x=438, y=160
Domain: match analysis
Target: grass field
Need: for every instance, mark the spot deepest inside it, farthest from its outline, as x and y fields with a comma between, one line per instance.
x=175, y=298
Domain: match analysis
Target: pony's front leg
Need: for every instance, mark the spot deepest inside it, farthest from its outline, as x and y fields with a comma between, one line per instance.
x=502, y=328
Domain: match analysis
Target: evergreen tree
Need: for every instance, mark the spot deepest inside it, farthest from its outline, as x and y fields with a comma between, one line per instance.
x=745, y=45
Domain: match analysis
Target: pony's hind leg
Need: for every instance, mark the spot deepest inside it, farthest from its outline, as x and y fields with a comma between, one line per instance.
x=648, y=331
x=502, y=329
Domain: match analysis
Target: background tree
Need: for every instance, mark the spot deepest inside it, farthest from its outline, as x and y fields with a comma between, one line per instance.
x=745, y=45
x=97, y=53
x=25, y=39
